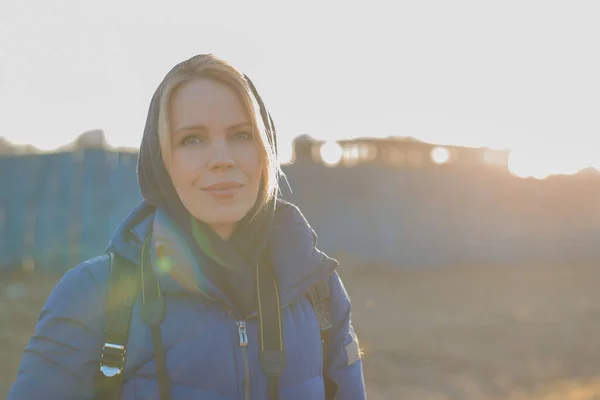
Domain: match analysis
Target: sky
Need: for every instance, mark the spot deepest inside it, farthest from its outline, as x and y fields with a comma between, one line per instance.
x=522, y=75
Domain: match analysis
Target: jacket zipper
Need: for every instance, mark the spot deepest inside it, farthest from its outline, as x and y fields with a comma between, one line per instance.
x=244, y=345
x=243, y=337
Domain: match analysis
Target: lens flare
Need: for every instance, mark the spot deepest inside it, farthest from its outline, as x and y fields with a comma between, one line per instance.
x=331, y=153
x=440, y=155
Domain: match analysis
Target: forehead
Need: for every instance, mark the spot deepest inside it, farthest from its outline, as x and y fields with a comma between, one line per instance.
x=207, y=102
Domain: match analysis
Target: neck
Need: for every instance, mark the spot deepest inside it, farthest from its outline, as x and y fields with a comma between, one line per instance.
x=223, y=230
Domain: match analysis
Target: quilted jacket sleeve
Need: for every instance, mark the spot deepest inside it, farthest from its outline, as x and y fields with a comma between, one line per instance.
x=62, y=356
x=343, y=365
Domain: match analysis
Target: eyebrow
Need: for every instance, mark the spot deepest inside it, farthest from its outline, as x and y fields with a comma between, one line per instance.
x=240, y=125
x=196, y=128
x=189, y=128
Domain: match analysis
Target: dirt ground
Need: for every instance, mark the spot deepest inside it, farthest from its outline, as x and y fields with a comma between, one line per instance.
x=519, y=333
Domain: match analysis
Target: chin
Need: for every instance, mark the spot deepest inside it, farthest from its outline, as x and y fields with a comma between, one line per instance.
x=223, y=215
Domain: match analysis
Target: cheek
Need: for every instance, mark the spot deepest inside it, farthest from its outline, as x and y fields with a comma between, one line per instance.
x=185, y=167
x=250, y=163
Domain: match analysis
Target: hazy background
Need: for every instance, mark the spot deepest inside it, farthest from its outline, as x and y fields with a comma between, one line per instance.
x=470, y=280
x=513, y=74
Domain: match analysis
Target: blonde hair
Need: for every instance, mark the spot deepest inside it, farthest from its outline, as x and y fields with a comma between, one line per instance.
x=212, y=67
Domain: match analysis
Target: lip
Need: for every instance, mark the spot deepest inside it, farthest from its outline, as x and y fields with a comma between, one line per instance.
x=223, y=189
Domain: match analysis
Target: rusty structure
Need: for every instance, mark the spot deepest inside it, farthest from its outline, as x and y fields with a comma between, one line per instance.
x=401, y=152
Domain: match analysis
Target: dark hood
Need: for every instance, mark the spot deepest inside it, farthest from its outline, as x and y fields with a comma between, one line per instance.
x=230, y=264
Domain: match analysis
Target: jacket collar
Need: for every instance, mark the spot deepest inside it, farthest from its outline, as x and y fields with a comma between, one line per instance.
x=298, y=263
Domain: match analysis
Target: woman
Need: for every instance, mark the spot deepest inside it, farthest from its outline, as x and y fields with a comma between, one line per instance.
x=207, y=236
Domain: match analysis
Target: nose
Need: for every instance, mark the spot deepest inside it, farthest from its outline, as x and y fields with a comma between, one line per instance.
x=221, y=157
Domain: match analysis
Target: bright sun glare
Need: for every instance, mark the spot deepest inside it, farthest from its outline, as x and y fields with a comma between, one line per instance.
x=524, y=164
x=541, y=165
x=440, y=155
x=331, y=153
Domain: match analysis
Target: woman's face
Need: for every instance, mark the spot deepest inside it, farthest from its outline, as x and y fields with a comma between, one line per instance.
x=216, y=163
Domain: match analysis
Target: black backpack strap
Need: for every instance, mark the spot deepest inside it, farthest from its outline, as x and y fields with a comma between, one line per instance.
x=152, y=312
x=320, y=298
x=272, y=357
x=122, y=292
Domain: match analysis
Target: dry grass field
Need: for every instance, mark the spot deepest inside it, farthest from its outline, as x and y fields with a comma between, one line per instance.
x=518, y=333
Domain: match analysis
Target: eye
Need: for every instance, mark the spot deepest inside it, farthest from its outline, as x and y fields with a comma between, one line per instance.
x=191, y=140
x=242, y=136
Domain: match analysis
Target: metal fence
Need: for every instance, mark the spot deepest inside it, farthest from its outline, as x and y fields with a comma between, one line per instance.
x=59, y=209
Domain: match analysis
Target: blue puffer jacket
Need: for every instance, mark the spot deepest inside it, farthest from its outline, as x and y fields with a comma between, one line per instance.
x=200, y=334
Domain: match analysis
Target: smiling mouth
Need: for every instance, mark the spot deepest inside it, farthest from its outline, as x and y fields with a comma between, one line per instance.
x=223, y=190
